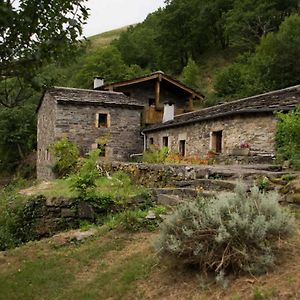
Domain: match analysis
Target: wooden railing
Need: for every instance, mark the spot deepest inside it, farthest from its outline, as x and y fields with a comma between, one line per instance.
x=153, y=116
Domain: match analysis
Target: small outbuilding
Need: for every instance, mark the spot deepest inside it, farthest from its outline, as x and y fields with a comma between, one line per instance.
x=87, y=118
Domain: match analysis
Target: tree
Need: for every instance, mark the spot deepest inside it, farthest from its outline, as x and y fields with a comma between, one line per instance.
x=17, y=134
x=276, y=60
x=33, y=34
x=273, y=65
x=190, y=74
x=249, y=20
x=288, y=136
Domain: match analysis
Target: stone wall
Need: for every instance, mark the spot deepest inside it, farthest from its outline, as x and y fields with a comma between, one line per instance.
x=78, y=123
x=258, y=130
x=45, y=136
x=43, y=216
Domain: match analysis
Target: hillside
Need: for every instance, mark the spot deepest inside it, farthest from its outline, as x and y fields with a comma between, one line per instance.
x=105, y=38
x=63, y=268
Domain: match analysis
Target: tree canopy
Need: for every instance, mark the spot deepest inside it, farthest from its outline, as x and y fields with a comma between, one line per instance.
x=32, y=34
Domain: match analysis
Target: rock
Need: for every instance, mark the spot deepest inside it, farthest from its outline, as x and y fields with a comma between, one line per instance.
x=295, y=198
x=68, y=213
x=58, y=202
x=151, y=215
x=82, y=235
x=168, y=200
x=86, y=211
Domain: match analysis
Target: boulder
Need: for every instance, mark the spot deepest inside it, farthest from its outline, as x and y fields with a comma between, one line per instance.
x=168, y=200
x=86, y=211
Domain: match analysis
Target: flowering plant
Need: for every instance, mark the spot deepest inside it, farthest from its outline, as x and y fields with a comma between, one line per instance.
x=244, y=145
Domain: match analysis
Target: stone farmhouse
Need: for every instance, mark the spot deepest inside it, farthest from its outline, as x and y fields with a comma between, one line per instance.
x=126, y=117
x=227, y=128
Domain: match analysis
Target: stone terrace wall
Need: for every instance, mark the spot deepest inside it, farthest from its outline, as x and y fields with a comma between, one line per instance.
x=162, y=175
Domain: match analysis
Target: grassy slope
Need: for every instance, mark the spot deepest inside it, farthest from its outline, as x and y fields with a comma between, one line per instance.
x=105, y=38
x=119, y=265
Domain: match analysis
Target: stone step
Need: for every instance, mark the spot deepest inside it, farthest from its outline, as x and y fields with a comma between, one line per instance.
x=177, y=196
x=238, y=173
x=208, y=184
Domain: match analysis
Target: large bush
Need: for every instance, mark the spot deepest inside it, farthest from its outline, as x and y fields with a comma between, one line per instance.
x=229, y=233
x=66, y=155
x=288, y=136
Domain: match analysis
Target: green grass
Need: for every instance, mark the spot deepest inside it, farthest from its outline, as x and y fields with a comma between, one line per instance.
x=43, y=270
x=105, y=38
x=118, y=187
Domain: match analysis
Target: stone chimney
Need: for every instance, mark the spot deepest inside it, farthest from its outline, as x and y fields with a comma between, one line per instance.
x=169, y=111
x=98, y=82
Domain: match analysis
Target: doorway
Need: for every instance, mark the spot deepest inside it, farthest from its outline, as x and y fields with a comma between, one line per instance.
x=182, y=148
x=217, y=138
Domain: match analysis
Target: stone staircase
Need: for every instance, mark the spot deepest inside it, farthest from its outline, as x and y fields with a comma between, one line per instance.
x=211, y=180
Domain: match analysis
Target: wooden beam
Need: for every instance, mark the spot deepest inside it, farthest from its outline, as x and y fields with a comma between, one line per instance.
x=191, y=103
x=157, y=93
x=133, y=81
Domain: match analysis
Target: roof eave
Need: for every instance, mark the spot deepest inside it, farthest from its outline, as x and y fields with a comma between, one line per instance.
x=226, y=114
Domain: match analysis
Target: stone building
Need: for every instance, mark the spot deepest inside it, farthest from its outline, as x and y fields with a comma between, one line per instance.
x=154, y=91
x=227, y=128
x=124, y=117
x=87, y=118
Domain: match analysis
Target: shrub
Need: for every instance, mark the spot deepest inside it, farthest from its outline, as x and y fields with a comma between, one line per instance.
x=135, y=220
x=17, y=216
x=154, y=155
x=66, y=155
x=84, y=181
x=288, y=136
x=228, y=233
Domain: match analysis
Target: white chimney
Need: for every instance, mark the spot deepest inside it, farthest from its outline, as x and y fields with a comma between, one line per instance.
x=169, y=110
x=98, y=82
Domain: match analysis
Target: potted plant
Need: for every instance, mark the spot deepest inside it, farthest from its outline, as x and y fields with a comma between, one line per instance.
x=242, y=150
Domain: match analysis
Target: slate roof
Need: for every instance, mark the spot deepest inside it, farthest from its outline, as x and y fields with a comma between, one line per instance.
x=66, y=95
x=280, y=100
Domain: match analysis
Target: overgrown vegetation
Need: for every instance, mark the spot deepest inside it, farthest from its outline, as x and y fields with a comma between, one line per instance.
x=288, y=136
x=114, y=195
x=13, y=228
x=66, y=155
x=155, y=155
x=227, y=234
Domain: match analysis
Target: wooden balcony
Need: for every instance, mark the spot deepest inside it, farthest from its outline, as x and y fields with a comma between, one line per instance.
x=153, y=116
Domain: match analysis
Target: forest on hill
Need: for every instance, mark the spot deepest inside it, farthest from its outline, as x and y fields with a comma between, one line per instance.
x=227, y=49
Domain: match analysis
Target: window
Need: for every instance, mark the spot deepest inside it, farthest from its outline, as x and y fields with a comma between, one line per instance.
x=216, y=142
x=182, y=147
x=102, y=120
x=165, y=141
x=151, y=141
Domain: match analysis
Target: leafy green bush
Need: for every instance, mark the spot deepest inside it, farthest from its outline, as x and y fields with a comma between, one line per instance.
x=134, y=220
x=154, y=155
x=288, y=136
x=66, y=155
x=229, y=233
